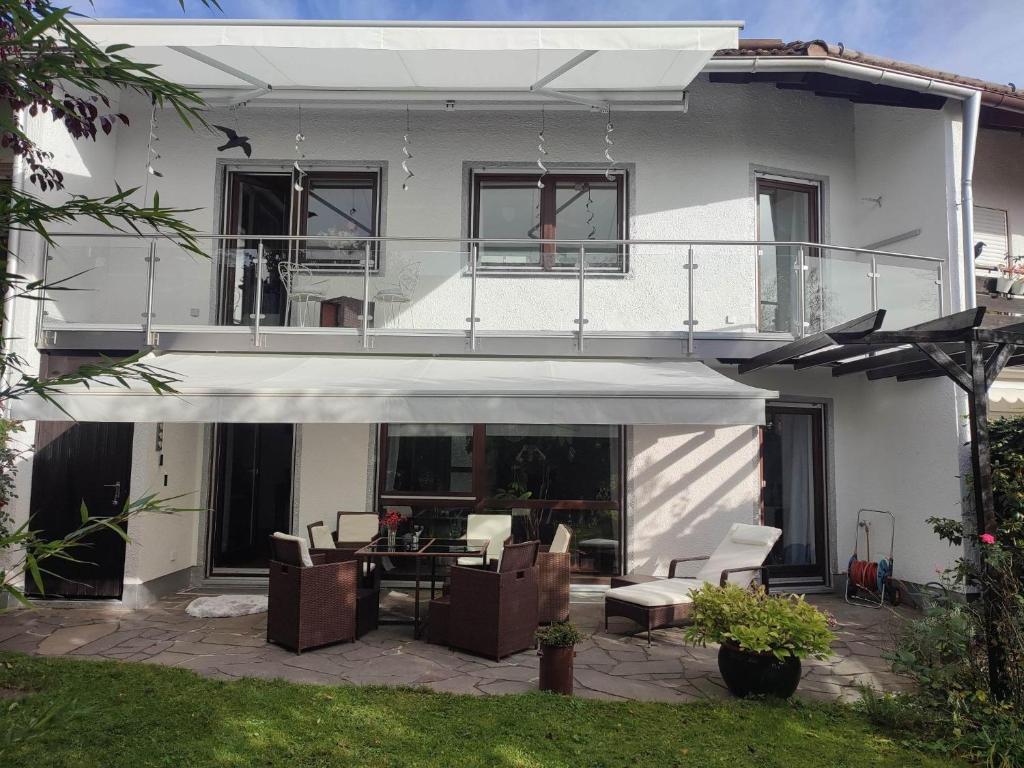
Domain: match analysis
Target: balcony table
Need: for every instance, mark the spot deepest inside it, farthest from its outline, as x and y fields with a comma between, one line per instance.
x=430, y=549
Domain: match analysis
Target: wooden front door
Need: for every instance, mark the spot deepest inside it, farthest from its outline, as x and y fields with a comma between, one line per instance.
x=78, y=463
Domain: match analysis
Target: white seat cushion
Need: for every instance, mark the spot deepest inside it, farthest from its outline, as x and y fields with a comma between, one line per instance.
x=320, y=537
x=469, y=562
x=303, y=546
x=654, y=594
x=361, y=527
x=560, y=541
x=745, y=546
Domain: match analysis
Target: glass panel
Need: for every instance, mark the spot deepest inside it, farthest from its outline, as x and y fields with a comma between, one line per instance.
x=839, y=288
x=184, y=284
x=595, y=539
x=437, y=520
x=509, y=210
x=254, y=493
x=783, y=214
x=587, y=210
x=429, y=459
x=422, y=287
x=553, y=461
x=907, y=291
x=543, y=302
x=343, y=210
x=790, y=499
x=101, y=281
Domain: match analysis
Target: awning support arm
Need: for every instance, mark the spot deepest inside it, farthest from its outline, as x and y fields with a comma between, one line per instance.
x=220, y=65
x=540, y=87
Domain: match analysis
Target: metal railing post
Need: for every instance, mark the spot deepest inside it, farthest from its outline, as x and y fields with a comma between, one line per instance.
x=873, y=276
x=690, y=322
x=41, y=294
x=938, y=282
x=581, y=320
x=473, y=319
x=366, y=296
x=802, y=282
x=258, y=303
x=147, y=324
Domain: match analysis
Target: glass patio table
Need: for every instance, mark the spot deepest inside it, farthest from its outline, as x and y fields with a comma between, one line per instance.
x=426, y=549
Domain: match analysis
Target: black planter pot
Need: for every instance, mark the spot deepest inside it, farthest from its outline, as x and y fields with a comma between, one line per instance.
x=747, y=673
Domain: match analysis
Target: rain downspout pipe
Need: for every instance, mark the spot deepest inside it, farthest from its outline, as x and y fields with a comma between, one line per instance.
x=969, y=141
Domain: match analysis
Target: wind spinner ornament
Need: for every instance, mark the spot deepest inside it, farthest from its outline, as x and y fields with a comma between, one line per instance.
x=407, y=153
x=300, y=173
x=609, y=143
x=542, y=152
x=151, y=151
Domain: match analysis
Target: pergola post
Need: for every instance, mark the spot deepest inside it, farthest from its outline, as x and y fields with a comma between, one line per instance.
x=984, y=510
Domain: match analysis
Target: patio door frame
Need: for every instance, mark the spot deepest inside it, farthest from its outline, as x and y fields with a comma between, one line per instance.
x=820, y=572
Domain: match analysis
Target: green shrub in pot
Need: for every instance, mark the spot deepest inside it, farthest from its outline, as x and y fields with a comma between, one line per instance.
x=561, y=634
x=762, y=636
x=557, y=650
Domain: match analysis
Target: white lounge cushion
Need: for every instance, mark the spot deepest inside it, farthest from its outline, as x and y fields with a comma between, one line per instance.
x=560, y=541
x=303, y=546
x=496, y=528
x=469, y=562
x=654, y=594
x=320, y=537
x=745, y=546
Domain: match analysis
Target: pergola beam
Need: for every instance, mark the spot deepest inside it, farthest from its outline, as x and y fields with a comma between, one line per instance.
x=857, y=328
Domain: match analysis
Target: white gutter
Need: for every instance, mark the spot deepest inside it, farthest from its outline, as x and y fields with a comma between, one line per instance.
x=9, y=338
x=968, y=143
x=870, y=73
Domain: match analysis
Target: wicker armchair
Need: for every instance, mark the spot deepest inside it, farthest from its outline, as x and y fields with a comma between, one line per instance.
x=490, y=613
x=312, y=601
x=553, y=565
x=368, y=592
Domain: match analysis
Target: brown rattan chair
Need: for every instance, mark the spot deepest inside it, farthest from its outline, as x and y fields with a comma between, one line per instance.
x=312, y=600
x=553, y=566
x=368, y=594
x=490, y=613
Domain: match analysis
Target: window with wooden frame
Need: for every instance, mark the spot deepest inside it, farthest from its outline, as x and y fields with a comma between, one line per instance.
x=570, y=206
x=435, y=475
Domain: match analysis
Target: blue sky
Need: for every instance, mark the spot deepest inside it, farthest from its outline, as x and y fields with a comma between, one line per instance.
x=980, y=38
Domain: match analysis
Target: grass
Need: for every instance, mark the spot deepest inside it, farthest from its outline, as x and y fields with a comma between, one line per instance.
x=114, y=714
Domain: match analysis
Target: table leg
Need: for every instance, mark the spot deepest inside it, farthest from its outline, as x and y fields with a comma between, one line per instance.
x=416, y=607
x=433, y=571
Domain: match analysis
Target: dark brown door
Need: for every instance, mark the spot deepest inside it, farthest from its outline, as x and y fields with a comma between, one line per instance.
x=78, y=463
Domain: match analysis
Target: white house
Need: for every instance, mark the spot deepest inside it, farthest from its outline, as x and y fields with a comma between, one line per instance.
x=463, y=266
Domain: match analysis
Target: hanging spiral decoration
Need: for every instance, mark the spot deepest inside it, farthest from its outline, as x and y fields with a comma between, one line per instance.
x=609, y=143
x=542, y=152
x=151, y=151
x=407, y=152
x=300, y=138
x=590, y=214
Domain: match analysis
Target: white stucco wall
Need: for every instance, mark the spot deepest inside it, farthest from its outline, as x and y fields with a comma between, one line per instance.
x=331, y=472
x=164, y=543
x=686, y=486
x=999, y=180
x=894, y=446
x=691, y=178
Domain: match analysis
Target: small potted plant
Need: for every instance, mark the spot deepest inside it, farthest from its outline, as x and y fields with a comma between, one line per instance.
x=390, y=521
x=557, y=649
x=1009, y=279
x=762, y=637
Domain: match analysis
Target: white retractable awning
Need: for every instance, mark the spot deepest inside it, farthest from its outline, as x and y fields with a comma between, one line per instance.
x=274, y=57
x=269, y=388
x=1007, y=392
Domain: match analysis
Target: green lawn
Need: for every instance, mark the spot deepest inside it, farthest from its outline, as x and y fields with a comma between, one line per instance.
x=135, y=715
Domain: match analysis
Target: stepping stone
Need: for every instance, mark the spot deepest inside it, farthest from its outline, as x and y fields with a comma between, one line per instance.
x=68, y=639
x=627, y=689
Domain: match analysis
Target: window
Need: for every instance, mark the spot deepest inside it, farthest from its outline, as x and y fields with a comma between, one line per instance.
x=263, y=206
x=786, y=211
x=542, y=475
x=568, y=207
x=992, y=229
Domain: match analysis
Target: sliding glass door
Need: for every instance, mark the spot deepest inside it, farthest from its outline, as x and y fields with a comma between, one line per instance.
x=793, y=489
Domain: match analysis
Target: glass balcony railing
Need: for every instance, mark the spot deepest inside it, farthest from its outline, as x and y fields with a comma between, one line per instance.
x=422, y=287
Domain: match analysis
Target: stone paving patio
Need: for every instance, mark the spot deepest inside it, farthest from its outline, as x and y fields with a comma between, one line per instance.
x=609, y=665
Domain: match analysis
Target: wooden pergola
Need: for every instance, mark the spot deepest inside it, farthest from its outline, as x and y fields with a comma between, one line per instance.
x=956, y=346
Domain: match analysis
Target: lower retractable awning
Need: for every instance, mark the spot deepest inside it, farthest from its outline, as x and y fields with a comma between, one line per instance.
x=271, y=388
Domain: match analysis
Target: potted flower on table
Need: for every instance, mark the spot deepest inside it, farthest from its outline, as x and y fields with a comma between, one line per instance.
x=557, y=649
x=762, y=637
x=390, y=521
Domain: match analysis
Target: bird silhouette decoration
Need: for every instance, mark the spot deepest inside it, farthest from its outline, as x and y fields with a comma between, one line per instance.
x=234, y=140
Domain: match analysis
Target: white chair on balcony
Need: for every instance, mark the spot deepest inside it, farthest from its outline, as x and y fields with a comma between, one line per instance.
x=400, y=292
x=299, y=287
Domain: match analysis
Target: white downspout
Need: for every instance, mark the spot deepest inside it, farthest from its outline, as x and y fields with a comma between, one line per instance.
x=969, y=141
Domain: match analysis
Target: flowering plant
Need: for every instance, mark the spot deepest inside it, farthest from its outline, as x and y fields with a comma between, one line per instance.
x=988, y=538
x=391, y=519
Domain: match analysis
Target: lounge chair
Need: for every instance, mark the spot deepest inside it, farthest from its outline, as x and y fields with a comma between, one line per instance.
x=668, y=602
x=490, y=613
x=553, y=565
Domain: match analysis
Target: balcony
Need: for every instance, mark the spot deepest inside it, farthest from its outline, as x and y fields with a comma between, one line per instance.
x=469, y=296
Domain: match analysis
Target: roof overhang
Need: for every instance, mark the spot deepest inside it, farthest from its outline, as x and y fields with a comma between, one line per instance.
x=269, y=388
x=559, y=62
